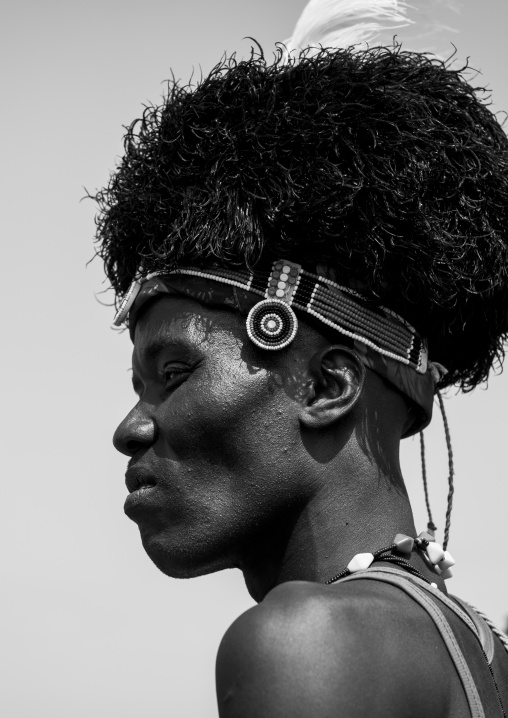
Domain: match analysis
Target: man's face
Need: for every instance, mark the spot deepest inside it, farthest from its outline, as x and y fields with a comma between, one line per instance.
x=214, y=437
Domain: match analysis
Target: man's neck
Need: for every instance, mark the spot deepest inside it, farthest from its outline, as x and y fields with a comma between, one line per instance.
x=356, y=513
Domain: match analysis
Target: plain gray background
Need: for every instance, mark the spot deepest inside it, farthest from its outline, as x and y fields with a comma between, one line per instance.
x=89, y=626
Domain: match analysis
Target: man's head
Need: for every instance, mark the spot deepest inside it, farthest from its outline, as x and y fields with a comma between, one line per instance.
x=382, y=166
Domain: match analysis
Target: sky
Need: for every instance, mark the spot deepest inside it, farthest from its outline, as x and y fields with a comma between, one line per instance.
x=89, y=627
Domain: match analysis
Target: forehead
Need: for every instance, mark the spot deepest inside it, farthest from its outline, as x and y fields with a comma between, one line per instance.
x=180, y=322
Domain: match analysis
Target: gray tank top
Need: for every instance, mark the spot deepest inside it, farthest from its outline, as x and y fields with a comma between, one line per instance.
x=480, y=656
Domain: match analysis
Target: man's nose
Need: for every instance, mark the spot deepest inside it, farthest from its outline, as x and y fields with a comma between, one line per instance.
x=137, y=431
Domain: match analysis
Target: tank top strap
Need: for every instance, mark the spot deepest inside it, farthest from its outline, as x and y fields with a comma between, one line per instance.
x=462, y=609
x=420, y=596
x=484, y=630
x=449, y=602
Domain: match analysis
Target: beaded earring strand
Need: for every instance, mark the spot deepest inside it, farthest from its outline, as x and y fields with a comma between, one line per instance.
x=431, y=526
x=451, y=471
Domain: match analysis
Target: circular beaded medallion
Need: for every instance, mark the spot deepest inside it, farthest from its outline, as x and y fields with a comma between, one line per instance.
x=271, y=324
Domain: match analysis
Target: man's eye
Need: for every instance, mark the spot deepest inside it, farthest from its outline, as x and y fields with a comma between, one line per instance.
x=174, y=375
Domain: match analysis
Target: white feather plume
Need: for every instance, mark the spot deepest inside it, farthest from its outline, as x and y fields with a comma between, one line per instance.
x=342, y=23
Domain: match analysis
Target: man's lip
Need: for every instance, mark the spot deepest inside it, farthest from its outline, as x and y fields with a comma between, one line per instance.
x=136, y=477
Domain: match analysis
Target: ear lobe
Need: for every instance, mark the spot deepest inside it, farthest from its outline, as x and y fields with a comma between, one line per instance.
x=338, y=375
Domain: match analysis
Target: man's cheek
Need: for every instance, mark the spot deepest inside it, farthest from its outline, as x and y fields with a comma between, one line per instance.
x=200, y=428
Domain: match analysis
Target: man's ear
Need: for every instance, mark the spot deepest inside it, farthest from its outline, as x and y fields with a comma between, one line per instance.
x=337, y=374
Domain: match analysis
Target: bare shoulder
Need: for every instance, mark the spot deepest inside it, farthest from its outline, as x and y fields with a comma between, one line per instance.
x=356, y=649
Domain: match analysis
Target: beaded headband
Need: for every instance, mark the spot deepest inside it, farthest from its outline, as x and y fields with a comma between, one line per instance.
x=272, y=324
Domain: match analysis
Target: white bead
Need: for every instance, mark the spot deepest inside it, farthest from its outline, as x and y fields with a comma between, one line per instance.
x=281, y=285
x=434, y=585
x=286, y=269
x=284, y=277
x=447, y=561
x=279, y=293
x=434, y=552
x=360, y=561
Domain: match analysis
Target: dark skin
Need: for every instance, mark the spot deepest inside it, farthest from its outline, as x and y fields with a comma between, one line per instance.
x=284, y=465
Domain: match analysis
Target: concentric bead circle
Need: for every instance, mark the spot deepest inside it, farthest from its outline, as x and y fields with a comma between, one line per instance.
x=271, y=324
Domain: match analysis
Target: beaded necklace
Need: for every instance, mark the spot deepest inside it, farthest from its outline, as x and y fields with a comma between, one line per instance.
x=403, y=545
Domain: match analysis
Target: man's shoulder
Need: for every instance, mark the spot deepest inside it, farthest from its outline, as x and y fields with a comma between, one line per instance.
x=308, y=649
x=306, y=609
x=365, y=612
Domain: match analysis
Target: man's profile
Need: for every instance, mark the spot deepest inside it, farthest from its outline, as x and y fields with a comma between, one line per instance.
x=305, y=253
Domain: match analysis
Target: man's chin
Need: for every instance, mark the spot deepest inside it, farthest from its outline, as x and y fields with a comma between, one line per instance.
x=181, y=561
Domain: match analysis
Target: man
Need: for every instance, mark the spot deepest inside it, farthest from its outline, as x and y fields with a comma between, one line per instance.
x=318, y=246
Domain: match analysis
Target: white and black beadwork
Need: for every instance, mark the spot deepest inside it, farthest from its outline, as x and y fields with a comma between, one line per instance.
x=271, y=324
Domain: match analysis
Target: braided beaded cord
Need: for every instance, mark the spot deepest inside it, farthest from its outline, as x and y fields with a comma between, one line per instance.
x=431, y=526
x=497, y=631
x=451, y=473
x=504, y=641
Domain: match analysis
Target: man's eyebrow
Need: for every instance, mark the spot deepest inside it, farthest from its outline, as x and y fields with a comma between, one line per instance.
x=153, y=348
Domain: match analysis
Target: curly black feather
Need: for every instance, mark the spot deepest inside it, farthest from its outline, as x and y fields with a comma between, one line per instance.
x=384, y=164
